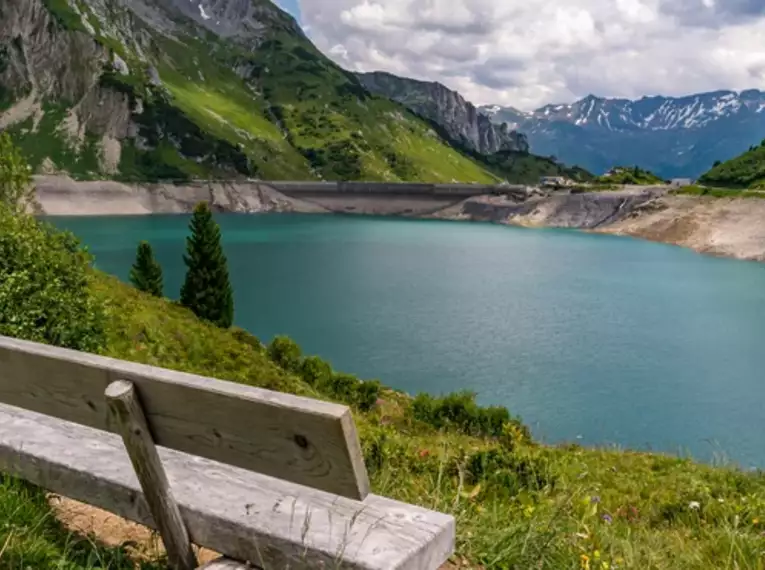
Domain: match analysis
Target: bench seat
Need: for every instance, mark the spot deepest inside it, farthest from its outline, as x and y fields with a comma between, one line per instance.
x=269, y=522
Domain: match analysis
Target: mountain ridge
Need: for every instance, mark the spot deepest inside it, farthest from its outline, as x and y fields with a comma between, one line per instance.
x=439, y=103
x=673, y=136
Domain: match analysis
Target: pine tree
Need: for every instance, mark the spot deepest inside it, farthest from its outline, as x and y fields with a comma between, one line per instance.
x=207, y=290
x=146, y=273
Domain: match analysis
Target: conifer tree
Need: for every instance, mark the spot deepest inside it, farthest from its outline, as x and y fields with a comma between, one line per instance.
x=146, y=273
x=207, y=290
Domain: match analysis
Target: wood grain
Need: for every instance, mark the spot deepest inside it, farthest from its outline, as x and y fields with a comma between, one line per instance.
x=125, y=409
x=300, y=440
x=226, y=564
x=244, y=515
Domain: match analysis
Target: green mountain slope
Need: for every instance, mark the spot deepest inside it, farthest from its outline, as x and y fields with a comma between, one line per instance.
x=175, y=90
x=745, y=171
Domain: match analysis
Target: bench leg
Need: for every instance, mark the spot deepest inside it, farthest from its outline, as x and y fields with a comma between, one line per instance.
x=125, y=409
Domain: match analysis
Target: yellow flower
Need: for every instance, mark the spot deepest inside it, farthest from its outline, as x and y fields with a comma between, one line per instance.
x=755, y=521
x=585, y=560
x=596, y=554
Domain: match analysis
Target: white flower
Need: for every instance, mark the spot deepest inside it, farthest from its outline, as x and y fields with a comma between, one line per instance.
x=694, y=505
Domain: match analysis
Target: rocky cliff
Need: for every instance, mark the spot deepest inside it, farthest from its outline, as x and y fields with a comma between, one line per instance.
x=458, y=117
x=171, y=89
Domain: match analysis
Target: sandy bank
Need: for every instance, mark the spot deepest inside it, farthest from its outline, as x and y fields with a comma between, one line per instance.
x=727, y=227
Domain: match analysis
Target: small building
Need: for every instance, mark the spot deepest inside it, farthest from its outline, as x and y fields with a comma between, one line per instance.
x=681, y=182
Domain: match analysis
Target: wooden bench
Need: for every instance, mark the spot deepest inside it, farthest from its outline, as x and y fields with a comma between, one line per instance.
x=267, y=479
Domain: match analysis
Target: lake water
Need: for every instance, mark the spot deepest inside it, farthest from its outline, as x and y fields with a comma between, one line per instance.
x=592, y=339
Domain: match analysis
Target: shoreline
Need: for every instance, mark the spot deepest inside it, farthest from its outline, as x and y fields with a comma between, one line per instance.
x=722, y=227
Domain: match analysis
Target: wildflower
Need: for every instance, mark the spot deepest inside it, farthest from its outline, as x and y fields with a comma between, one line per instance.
x=380, y=402
x=424, y=452
x=607, y=518
x=585, y=562
x=755, y=521
x=694, y=505
x=595, y=499
x=720, y=500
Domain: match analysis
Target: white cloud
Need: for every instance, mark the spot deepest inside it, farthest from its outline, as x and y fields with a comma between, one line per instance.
x=540, y=51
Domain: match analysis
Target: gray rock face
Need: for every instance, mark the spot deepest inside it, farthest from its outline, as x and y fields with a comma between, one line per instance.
x=39, y=58
x=449, y=109
x=245, y=20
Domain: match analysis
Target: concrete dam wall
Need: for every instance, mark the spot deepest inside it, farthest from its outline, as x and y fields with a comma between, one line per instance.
x=60, y=195
x=384, y=198
x=462, y=191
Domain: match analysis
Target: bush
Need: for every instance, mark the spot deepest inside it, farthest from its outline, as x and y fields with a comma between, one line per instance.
x=315, y=371
x=460, y=411
x=44, y=286
x=247, y=337
x=510, y=472
x=349, y=389
x=285, y=352
x=367, y=394
x=16, y=190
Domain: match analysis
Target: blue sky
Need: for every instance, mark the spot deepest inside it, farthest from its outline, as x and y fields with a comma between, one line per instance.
x=291, y=6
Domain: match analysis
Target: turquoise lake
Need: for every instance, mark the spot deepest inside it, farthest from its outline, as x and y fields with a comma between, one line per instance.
x=591, y=339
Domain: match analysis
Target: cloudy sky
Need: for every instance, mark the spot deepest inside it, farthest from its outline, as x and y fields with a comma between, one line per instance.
x=527, y=53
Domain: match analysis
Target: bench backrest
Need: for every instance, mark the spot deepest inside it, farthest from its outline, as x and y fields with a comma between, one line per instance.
x=300, y=440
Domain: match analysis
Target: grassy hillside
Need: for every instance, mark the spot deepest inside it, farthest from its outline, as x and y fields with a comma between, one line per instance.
x=517, y=504
x=745, y=171
x=270, y=106
x=630, y=175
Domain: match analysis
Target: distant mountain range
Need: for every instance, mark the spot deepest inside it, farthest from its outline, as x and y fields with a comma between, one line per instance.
x=673, y=137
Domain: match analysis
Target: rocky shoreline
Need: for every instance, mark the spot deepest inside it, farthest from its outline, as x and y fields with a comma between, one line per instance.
x=718, y=226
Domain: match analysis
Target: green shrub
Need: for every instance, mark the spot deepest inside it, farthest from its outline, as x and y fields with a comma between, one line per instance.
x=44, y=286
x=508, y=471
x=285, y=352
x=315, y=371
x=342, y=386
x=459, y=411
x=16, y=190
x=367, y=394
x=246, y=337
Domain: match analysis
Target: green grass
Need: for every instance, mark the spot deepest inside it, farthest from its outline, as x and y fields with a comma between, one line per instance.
x=743, y=172
x=697, y=190
x=47, y=138
x=517, y=504
x=32, y=538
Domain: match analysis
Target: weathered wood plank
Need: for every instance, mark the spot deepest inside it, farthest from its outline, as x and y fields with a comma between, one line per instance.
x=226, y=564
x=244, y=515
x=125, y=409
x=301, y=440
